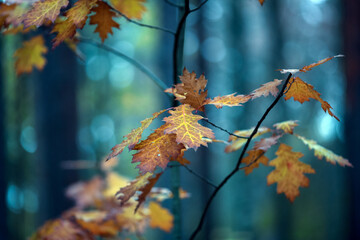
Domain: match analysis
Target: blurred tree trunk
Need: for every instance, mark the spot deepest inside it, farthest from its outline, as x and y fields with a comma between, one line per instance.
x=352, y=53
x=3, y=208
x=56, y=118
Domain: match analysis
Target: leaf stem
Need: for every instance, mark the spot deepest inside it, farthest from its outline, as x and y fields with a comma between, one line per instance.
x=222, y=129
x=199, y=176
x=236, y=168
x=132, y=61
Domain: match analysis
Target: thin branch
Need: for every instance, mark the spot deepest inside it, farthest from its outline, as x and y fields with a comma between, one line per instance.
x=132, y=61
x=198, y=7
x=222, y=129
x=236, y=169
x=252, y=162
x=143, y=24
x=173, y=4
x=199, y=176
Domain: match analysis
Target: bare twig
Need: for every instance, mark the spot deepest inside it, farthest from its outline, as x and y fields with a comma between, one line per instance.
x=199, y=176
x=132, y=61
x=236, y=169
x=143, y=24
x=198, y=7
x=222, y=129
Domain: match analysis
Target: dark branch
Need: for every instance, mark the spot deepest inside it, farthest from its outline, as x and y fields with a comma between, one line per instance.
x=198, y=7
x=199, y=176
x=222, y=129
x=236, y=169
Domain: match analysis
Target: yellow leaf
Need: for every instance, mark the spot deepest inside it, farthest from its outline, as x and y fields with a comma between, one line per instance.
x=113, y=183
x=186, y=127
x=160, y=217
x=286, y=126
x=65, y=29
x=130, y=8
x=30, y=55
x=228, y=100
x=321, y=152
x=289, y=172
x=78, y=13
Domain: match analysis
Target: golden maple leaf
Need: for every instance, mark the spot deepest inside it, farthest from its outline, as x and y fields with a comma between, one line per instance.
x=191, y=90
x=160, y=217
x=289, y=172
x=236, y=143
x=286, y=126
x=228, y=100
x=42, y=11
x=321, y=152
x=266, y=89
x=130, y=8
x=254, y=159
x=104, y=19
x=30, y=55
x=133, y=137
x=184, y=124
x=302, y=91
x=156, y=150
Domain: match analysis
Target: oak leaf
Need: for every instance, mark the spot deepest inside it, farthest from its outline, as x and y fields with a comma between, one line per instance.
x=130, y=8
x=253, y=160
x=184, y=124
x=302, y=91
x=286, y=126
x=44, y=10
x=65, y=30
x=266, y=89
x=191, y=90
x=79, y=12
x=289, y=172
x=321, y=152
x=133, y=137
x=30, y=55
x=160, y=217
x=104, y=19
x=157, y=150
x=228, y=100
x=236, y=143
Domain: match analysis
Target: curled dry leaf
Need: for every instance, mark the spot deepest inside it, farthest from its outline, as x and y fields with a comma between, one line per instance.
x=230, y=100
x=289, y=172
x=266, y=143
x=266, y=89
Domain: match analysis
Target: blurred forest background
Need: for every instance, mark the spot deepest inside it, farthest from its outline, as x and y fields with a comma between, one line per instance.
x=79, y=109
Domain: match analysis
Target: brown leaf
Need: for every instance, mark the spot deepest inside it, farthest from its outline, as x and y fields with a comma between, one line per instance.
x=266, y=89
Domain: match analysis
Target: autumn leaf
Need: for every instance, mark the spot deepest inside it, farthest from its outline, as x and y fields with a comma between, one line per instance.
x=130, y=8
x=5, y=11
x=114, y=181
x=191, y=90
x=289, y=172
x=236, y=143
x=78, y=13
x=266, y=89
x=65, y=29
x=286, y=126
x=44, y=10
x=131, y=221
x=61, y=229
x=147, y=189
x=253, y=160
x=133, y=137
x=302, y=91
x=96, y=223
x=160, y=217
x=14, y=14
x=157, y=150
x=185, y=125
x=86, y=193
x=266, y=143
x=321, y=152
x=104, y=19
x=228, y=100
x=261, y=2
x=30, y=55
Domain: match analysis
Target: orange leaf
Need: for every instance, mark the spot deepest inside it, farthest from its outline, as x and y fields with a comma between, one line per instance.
x=309, y=67
x=61, y=229
x=78, y=13
x=236, y=143
x=289, y=172
x=160, y=217
x=191, y=91
x=65, y=29
x=286, y=126
x=156, y=150
x=321, y=152
x=254, y=158
x=186, y=127
x=265, y=89
x=261, y=2
x=302, y=91
x=103, y=18
x=130, y=8
x=133, y=137
x=43, y=10
x=228, y=100
x=30, y=55
x=146, y=190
